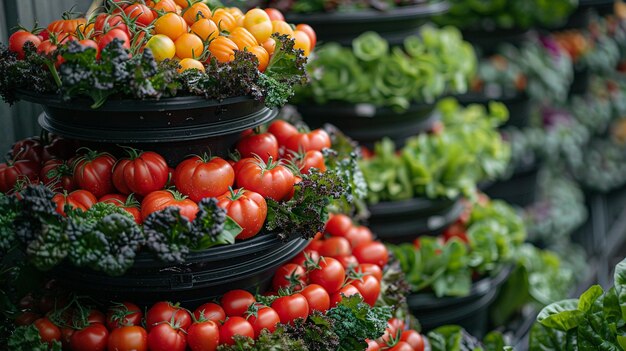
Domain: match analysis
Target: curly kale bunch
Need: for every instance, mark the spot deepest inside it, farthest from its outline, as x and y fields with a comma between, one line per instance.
x=9, y=208
x=27, y=74
x=40, y=228
x=168, y=234
x=212, y=226
x=104, y=238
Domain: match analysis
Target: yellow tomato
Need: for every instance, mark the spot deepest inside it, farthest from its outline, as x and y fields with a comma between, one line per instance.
x=257, y=22
x=224, y=20
x=182, y=3
x=223, y=49
x=189, y=63
x=189, y=45
x=243, y=38
x=196, y=12
x=162, y=47
x=206, y=29
x=269, y=45
x=171, y=25
x=282, y=27
x=302, y=42
x=235, y=11
x=262, y=55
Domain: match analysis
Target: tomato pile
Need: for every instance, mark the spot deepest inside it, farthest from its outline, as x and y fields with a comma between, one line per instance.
x=271, y=163
x=185, y=30
x=343, y=261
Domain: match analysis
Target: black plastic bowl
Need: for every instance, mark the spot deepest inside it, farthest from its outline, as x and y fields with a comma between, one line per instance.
x=487, y=42
x=248, y=265
x=394, y=25
x=368, y=124
x=404, y=221
x=521, y=189
x=519, y=106
x=471, y=311
x=580, y=84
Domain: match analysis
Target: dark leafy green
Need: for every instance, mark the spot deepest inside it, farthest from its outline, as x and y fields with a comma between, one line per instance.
x=455, y=338
x=27, y=338
x=213, y=226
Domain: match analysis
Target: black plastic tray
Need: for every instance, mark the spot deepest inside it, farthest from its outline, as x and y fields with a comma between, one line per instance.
x=603, y=7
x=580, y=84
x=521, y=189
x=519, y=106
x=368, y=124
x=487, y=42
x=404, y=221
x=394, y=25
x=471, y=312
x=205, y=275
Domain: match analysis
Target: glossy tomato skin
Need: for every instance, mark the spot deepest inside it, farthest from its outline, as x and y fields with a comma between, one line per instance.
x=369, y=287
x=312, y=159
x=164, y=312
x=126, y=313
x=273, y=181
x=414, y=339
x=401, y=346
x=237, y=302
x=247, y=208
x=18, y=170
x=125, y=203
x=160, y=199
x=346, y=291
x=291, y=307
x=164, y=337
x=309, y=255
x=203, y=336
x=374, y=252
x=93, y=173
x=335, y=246
x=48, y=331
x=282, y=130
x=360, y=235
x=28, y=149
x=265, y=318
x=93, y=337
x=370, y=269
x=338, y=225
x=18, y=39
x=77, y=199
x=235, y=326
x=210, y=311
x=263, y=145
x=57, y=174
x=330, y=274
x=141, y=174
x=310, y=32
x=317, y=298
x=315, y=140
x=26, y=318
x=142, y=14
x=199, y=177
x=130, y=338
x=109, y=36
x=289, y=275
x=372, y=345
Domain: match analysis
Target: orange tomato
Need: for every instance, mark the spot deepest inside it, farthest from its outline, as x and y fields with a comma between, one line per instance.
x=235, y=11
x=243, y=38
x=262, y=55
x=206, y=29
x=240, y=21
x=282, y=27
x=259, y=24
x=224, y=20
x=68, y=26
x=269, y=45
x=171, y=25
x=223, y=49
x=310, y=32
x=275, y=15
x=302, y=42
x=189, y=45
x=163, y=6
x=189, y=63
x=182, y=3
x=196, y=12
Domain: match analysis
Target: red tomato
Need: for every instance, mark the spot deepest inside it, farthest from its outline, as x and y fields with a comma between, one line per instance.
x=164, y=337
x=263, y=145
x=274, y=14
x=113, y=34
x=48, y=331
x=129, y=204
x=338, y=225
x=199, y=177
x=130, y=338
x=96, y=316
x=456, y=230
x=142, y=173
x=370, y=269
x=106, y=22
x=335, y=246
x=329, y=273
x=247, y=208
x=203, y=336
x=374, y=252
x=93, y=172
x=317, y=298
x=93, y=337
x=271, y=180
x=57, y=174
x=123, y=314
x=372, y=345
x=18, y=39
x=308, y=30
x=210, y=311
x=235, y=326
x=77, y=199
x=305, y=256
x=290, y=308
x=264, y=318
x=414, y=339
x=163, y=312
x=142, y=14
x=401, y=346
x=26, y=318
x=29, y=149
x=347, y=261
x=282, y=130
x=312, y=159
x=369, y=287
x=160, y=199
x=237, y=302
x=315, y=245
x=346, y=291
x=289, y=275
x=66, y=337
x=303, y=142
x=359, y=235
x=12, y=172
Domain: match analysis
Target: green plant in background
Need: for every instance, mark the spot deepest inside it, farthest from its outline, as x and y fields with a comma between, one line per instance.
x=506, y=14
x=445, y=164
x=434, y=63
x=313, y=6
x=454, y=338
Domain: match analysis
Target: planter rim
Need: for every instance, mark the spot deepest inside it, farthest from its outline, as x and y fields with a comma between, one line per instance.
x=415, y=204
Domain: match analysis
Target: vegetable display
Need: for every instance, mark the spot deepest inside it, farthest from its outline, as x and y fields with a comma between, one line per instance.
x=304, y=6
x=444, y=164
x=158, y=50
x=436, y=62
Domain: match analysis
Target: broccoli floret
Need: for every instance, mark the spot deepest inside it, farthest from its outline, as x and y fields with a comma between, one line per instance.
x=168, y=234
x=104, y=238
x=212, y=226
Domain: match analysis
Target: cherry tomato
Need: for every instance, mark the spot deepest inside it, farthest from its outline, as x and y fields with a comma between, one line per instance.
x=129, y=338
x=224, y=20
x=247, y=208
x=372, y=345
x=164, y=337
x=163, y=312
x=369, y=287
x=370, y=269
x=188, y=63
x=290, y=308
x=289, y=275
x=274, y=14
x=210, y=311
x=282, y=130
x=96, y=316
x=311, y=159
x=235, y=326
x=269, y=45
x=171, y=25
x=263, y=145
x=14, y=171
x=335, y=246
x=271, y=180
x=338, y=225
x=314, y=140
x=160, y=199
x=282, y=27
x=206, y=29
x=414, y=339
x=18, y=39
x=189, y=45
x=223, y=49
x=203, y=336
x=308, y=30
x=128, y=203
x=302, y=42
x=359, y=235
x=347, y=261
x=93, y=172
x=237, y=302
x=317, y=298
x=259, y=24
x=373, y=252
x=346, y=291
x=93, y=337
x=329, y=273
x=196, y=12
x=401, y=346
x=262, y=55
x=264, y=318
x=123, y=314
x=48, y=331
x=162, y=47
x=456, y=230
x=113, y=34
x=243, y=39
x=141, y=14
x=200, y=177
x=57, y=174
x=308, y=255
x=77, y=199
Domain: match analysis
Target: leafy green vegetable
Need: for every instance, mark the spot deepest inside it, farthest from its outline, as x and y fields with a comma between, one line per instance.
x=213, y=226
x=104, y=238
x=27, y=338
x=8, y=211
x=317, y=332
x=168, y=234
x=25, y=74
x=455, y=338
x=310, y=6
x=276, y=341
